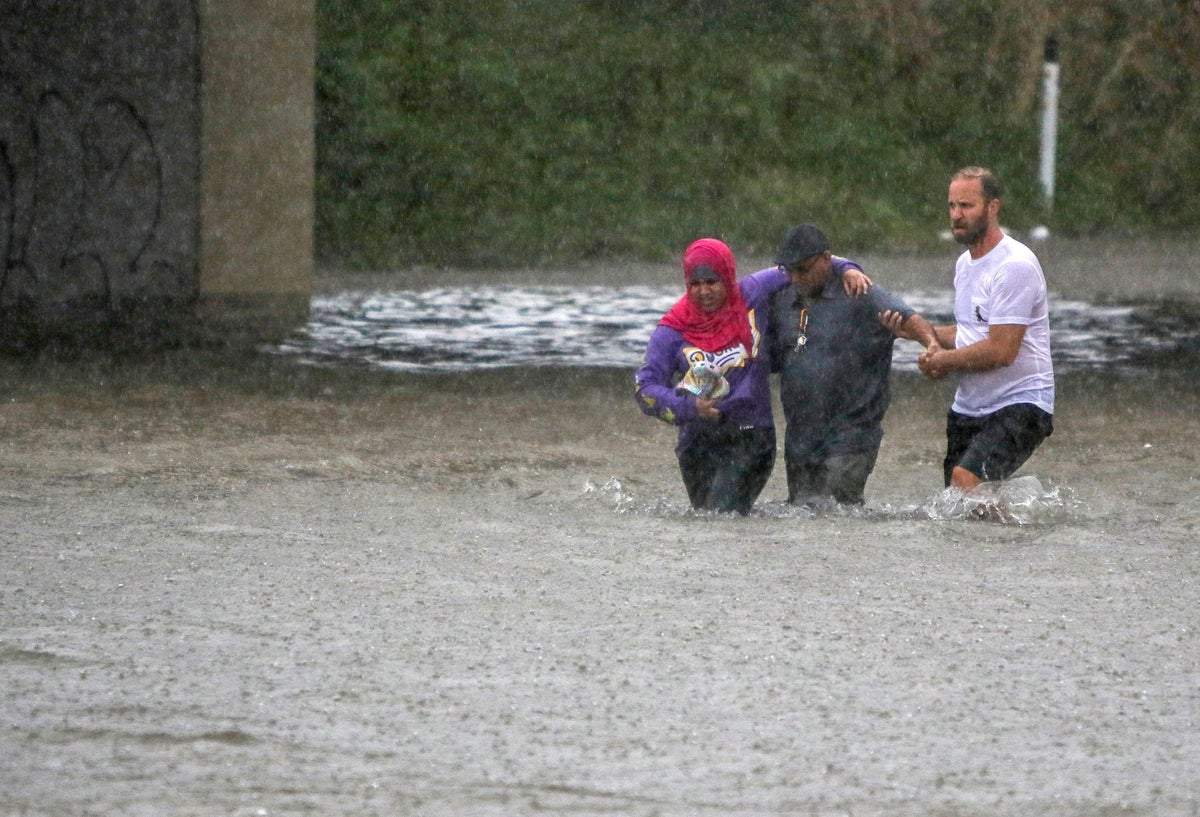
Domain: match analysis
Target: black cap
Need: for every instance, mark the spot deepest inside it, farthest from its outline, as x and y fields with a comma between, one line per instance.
x=802, y=242
x=703, y=272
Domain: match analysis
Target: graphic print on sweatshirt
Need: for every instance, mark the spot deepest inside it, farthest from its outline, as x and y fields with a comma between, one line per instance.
x=734, y=357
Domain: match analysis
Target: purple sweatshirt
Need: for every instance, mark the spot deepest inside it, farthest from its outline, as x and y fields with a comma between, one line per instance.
x=669, y=357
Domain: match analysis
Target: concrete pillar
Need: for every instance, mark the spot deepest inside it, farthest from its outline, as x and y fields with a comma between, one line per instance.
x=256, y=159
x=156, y=166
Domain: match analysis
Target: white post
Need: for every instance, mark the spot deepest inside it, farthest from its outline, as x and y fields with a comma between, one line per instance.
x=1049, y=119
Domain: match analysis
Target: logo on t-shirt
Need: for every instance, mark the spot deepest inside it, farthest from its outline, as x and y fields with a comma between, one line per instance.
x=722, y=361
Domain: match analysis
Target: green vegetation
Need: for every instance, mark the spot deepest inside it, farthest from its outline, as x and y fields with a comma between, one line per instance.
x=530, y=132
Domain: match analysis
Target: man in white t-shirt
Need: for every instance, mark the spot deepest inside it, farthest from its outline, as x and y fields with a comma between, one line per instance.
x=999, y=344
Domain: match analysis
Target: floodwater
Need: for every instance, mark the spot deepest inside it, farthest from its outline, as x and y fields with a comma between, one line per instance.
x=465, y=328
x=372, y=571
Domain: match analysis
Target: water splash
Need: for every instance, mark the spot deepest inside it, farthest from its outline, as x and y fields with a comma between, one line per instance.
x=815, y=508
x=612, y=492
x=1021, y=501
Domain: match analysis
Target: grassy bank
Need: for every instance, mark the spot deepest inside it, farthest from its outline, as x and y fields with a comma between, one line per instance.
x=548, y=131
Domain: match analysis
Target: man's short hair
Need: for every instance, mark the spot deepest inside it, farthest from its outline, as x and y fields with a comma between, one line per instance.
x=991, y=185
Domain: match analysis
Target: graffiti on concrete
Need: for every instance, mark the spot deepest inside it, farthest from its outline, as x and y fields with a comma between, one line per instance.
x=81, y=199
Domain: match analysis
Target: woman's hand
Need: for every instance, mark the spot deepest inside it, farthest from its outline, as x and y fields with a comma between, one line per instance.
x=855, y=282
x=706, y=409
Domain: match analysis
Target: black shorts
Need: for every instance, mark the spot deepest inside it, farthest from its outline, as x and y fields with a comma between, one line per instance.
x=994, y=446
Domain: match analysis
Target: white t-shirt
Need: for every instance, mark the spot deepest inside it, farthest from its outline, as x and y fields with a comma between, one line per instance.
x=1006, y=286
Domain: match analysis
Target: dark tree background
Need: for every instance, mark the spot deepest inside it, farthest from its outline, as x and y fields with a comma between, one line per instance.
x=484, y=132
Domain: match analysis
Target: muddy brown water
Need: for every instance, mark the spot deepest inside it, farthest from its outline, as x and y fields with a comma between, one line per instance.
x=237, y=585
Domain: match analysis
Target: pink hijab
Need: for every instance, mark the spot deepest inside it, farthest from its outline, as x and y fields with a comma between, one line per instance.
x=729, y=325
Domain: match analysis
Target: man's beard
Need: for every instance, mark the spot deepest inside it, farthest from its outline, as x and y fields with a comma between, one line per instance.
x=971, y=233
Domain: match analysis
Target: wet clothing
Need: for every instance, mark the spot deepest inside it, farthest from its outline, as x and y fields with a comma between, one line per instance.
x=727, y=326
x=726, y=467
x=834, y=387
x=994, y=446
x=747, y=407
x=817, y=478
x=1006, y=286
x=1000, y=416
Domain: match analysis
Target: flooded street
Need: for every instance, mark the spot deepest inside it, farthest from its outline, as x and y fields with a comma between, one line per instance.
x=251, y=585
x=441, y=321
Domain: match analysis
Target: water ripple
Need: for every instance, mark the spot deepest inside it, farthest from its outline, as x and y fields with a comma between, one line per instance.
x=467, y=328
